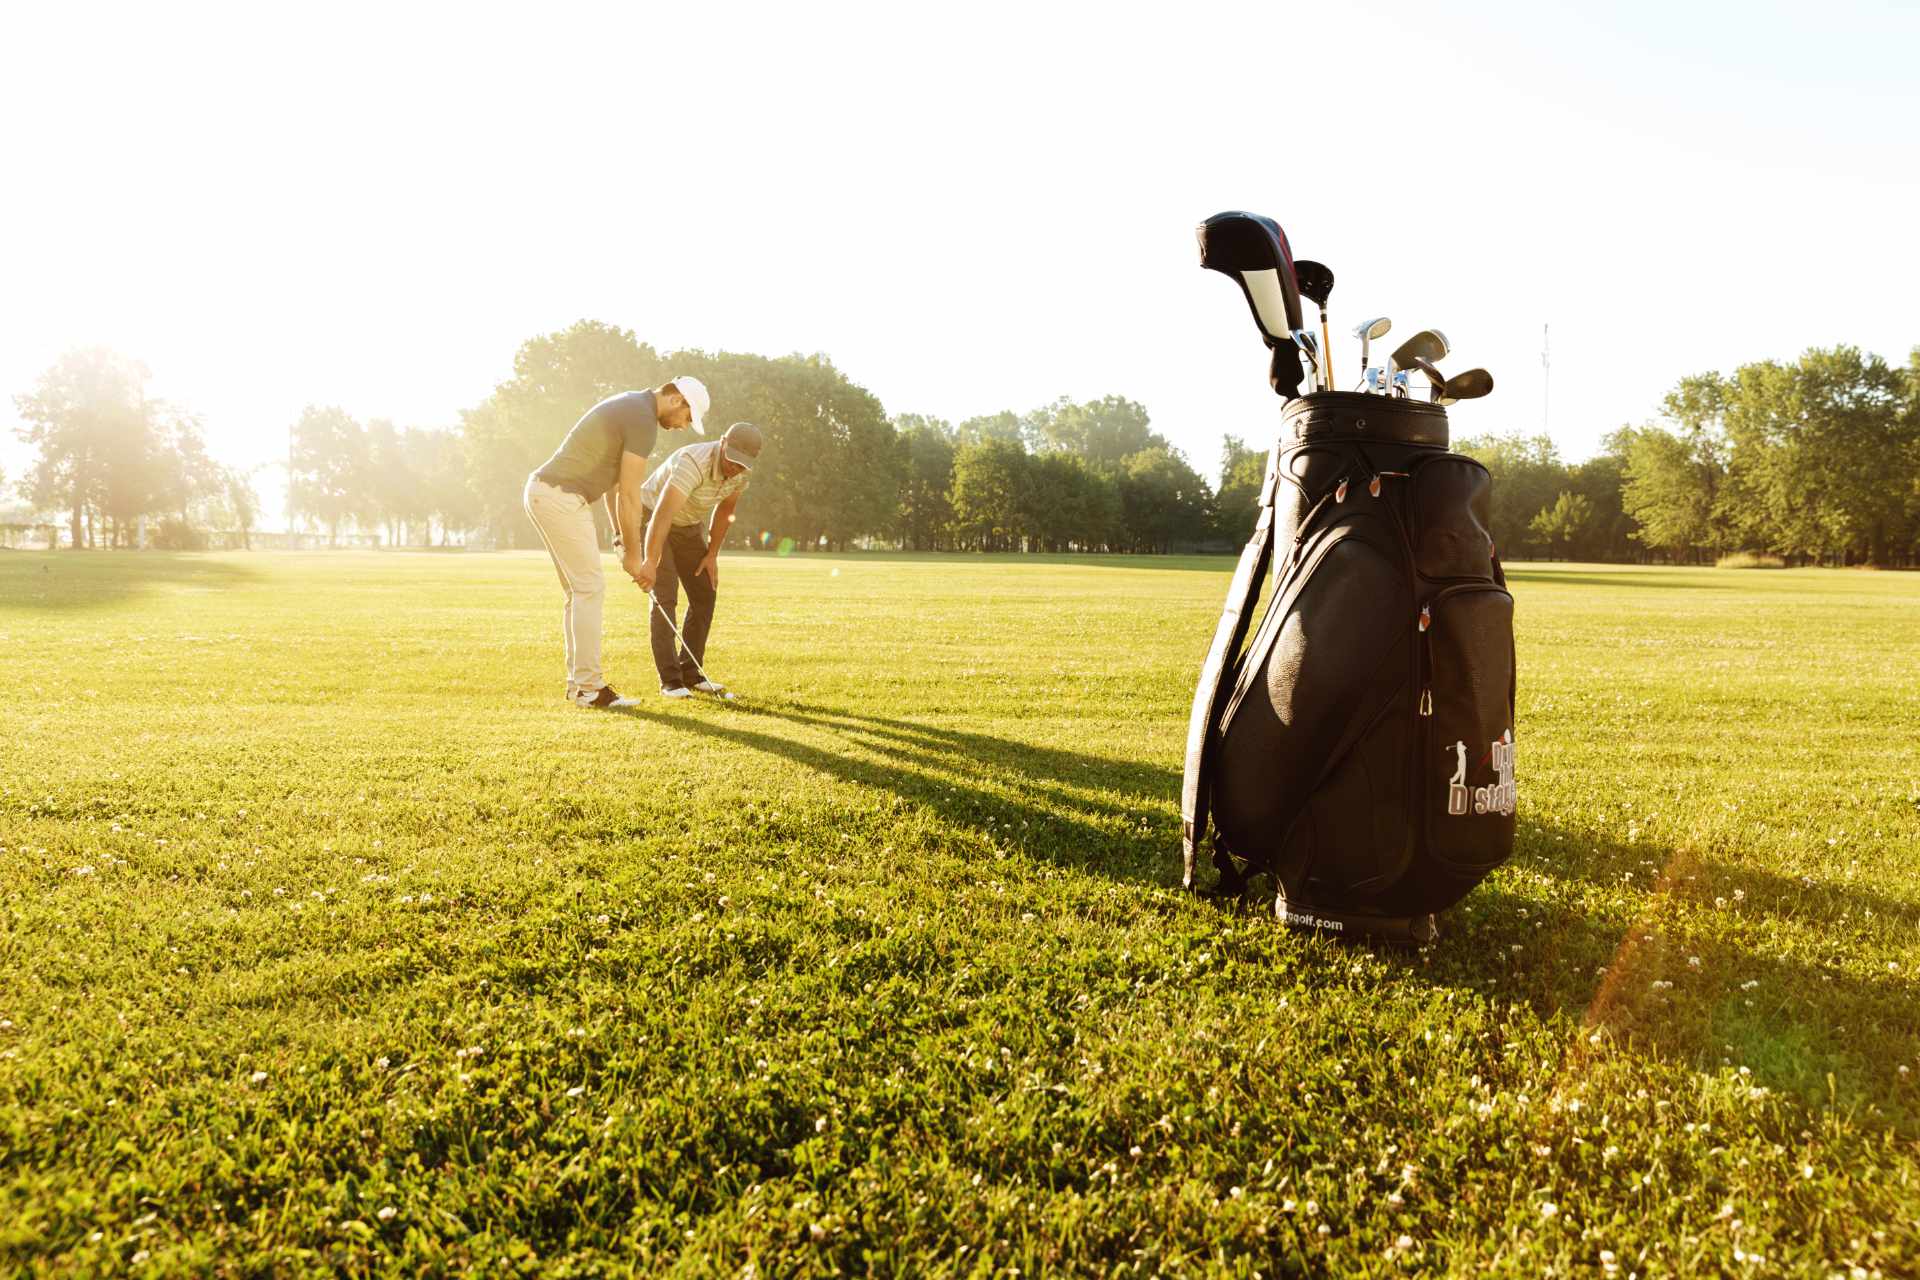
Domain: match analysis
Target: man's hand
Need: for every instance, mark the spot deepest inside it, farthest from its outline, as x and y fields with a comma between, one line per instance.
x=635, y=564
x=711, y=567
x=649, y=570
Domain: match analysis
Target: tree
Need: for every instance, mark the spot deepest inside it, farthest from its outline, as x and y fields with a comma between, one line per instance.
x=1527, y=475
x=1102, y=432
x=989, y=493
x=1669, y=489
x=89, y=419
x=1237, y=505
x=1162, y=500
x=926, y=510
x=1563, y=523
x=556, y=378
x=329, y=468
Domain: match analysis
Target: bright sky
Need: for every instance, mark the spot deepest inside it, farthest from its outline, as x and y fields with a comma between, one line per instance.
x=968, y=207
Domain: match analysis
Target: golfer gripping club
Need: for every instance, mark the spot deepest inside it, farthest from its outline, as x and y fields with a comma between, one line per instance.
x=686, y=508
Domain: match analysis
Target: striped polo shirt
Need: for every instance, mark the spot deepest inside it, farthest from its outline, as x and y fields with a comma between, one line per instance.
x=694, y=470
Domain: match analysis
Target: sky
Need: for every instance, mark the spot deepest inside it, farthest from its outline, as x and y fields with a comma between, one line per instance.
x=969, y=209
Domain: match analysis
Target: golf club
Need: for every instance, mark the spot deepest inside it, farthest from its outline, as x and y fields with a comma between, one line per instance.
x=726, y=695
x=1429, y=344
x=1367, y=332
x=1253, y=250
x=1316, y=284
x=1435, y=379
x=1470, y=385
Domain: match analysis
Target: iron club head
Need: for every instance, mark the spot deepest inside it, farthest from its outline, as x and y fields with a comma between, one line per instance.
x=1367, y=331
x=1470, y=385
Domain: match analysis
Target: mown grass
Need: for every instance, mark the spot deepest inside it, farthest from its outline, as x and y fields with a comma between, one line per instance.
x=333, y=941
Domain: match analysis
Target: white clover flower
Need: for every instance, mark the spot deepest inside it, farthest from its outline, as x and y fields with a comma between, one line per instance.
x=1549, y=1210
x=380, y=1063
x=1693, y=962
x=1806, y=1171
x=576, y=1091
x=386, y=1213
x=259, y=1077
x=1323, y=1230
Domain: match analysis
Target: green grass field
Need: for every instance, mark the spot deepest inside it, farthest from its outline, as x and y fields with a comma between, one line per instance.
x=333, y=941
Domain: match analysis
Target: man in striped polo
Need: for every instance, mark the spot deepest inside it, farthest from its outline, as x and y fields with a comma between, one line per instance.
x=689, y=501
x=605, y=454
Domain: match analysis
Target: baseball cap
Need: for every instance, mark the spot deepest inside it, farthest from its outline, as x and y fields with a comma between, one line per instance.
x=697, y=399
x=742, y=443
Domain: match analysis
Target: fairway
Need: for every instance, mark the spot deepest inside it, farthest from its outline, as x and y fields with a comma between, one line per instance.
x=333, y=940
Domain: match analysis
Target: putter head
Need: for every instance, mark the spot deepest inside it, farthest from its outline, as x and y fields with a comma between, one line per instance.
x=1253, y=250
x=1315, y=280
x=1470, y=385
x=1428, y=344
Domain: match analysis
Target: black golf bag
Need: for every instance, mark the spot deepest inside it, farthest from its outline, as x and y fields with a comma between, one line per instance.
x=1360, y=749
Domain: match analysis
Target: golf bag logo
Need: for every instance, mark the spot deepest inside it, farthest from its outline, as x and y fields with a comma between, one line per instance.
x=1499, y=797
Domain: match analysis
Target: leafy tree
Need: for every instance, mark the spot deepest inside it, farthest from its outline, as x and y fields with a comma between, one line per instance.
x=1102, y=432
x=990, y=493
x=926, y=509
x=1527, y=475
x=1564, y=523
x=1237, y=505
x=1003, y=426
x=832, y=471
x=1162, y=500
x=556, y=378
x=329, y=468
x=83, y=416
x=1669, y=490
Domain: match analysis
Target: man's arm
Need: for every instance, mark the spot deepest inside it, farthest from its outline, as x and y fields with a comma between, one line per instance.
x=623, y=505
x=717, y=529
x=671, y=500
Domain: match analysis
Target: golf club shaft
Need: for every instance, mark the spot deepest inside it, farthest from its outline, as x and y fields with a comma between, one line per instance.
x=684, y=648
x=1326, y=351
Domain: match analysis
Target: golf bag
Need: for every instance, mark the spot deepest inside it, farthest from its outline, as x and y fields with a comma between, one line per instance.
x=1360, y=750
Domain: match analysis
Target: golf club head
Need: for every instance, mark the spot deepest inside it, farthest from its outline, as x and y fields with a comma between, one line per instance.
x=1470, y=385
x=1435, y=378
x=1304, y=339
x=1315, y=280
x=1368, y=330
x=1253, y=250
x=1428, y=344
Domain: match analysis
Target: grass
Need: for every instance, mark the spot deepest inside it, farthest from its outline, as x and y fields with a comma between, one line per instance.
x=332, y=941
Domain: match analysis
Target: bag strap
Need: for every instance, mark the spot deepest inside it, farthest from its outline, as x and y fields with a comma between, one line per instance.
x=1210, y=695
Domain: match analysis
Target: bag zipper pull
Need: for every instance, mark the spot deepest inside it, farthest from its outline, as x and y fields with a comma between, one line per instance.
x=1373, y=487
x=1340, y=493
x=1426, y=616
x=1426, y=702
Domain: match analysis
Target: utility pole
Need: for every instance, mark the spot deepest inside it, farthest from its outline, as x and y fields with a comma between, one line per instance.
x=1546, y=381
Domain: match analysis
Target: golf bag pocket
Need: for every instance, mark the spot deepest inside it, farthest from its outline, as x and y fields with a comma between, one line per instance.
x=1466, y=769
x=1312, y=751
x=1450, y=513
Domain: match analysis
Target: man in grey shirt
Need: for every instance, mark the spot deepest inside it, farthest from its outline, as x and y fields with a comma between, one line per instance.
x=603, y=456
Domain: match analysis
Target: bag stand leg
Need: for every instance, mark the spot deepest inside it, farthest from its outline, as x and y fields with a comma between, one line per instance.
x=1295, y=914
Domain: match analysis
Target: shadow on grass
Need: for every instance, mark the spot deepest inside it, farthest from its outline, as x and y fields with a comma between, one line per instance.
x=1119, y=816
x=70, y=581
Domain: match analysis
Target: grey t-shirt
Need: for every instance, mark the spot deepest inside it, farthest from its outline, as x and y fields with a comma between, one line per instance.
x=588, y=460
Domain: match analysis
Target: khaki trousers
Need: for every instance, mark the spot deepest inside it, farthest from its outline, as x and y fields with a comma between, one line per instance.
x=565, y=521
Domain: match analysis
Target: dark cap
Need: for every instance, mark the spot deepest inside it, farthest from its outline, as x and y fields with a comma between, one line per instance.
x=741, y=444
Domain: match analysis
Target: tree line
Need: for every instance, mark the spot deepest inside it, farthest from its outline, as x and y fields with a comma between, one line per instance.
x=1815, y=461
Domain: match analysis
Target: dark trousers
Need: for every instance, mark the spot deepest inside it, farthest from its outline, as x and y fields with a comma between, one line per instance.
x=686, y=548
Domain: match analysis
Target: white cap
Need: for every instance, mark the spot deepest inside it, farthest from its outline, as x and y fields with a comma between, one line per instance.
x=697, y=399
